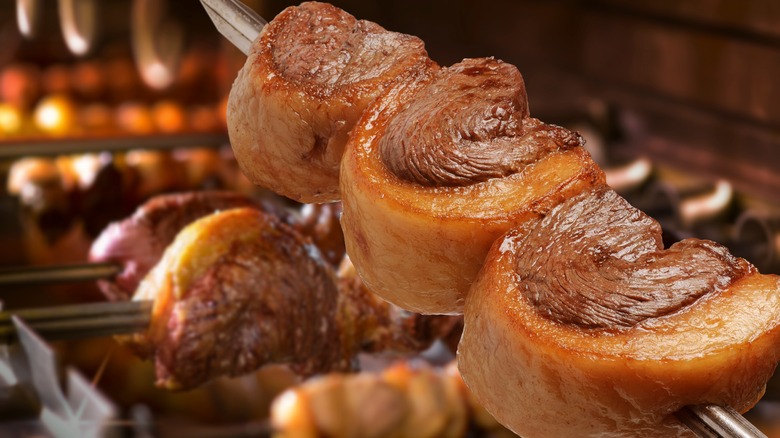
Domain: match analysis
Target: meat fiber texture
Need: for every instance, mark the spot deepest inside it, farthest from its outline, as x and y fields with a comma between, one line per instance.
x=582, y=324
x=225, y=293
x=418, y=227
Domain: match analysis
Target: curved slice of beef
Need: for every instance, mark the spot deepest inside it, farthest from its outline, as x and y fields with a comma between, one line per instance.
x=584, y=311
x=483, y=131
x=597, y=262
x=434, y=173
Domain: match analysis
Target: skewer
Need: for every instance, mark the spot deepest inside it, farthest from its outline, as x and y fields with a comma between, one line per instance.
x=113, y=318
x=79, y=321
x=713, y=421
x=240, y=25
x=235, y=21
x=52, y=147
x=58, y=273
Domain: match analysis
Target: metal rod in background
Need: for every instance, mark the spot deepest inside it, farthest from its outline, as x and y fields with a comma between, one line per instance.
x=107, y=319
x=80, y=320
x=51, y=147
x=713, y=421
x=57, y=274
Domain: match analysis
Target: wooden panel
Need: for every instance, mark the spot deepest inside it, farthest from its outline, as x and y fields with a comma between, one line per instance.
x=746, y=18
x=701, y=143
x=698, y=68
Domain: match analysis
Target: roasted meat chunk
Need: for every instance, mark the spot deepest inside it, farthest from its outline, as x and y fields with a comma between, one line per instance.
x=428, y=187
x=240, y=289
x=234, y=291
x=45, y=198
x=374, y=325
x=307, y=80
x=407, y=399
x=137, y=243
x=581, y=323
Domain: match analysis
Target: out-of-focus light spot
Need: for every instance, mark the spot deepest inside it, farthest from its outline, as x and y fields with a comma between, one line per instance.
x=78, y=23
x=54, y=115
x=10, y=119
x=157, y=75
x=709, y=204
x=77, y=44
x=27, y=12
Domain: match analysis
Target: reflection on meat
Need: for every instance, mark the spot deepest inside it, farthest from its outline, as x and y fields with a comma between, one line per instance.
x=308, y=79
x=321, y=223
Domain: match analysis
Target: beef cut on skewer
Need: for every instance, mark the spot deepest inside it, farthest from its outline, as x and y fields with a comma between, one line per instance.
x=436, y=169
x=584, y=314
x=239, y=289
x=427, y=187
x=307, y=80
x=137, y=243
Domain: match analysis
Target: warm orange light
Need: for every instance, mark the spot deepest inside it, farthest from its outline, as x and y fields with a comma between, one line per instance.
x=135, y=118
x=55, y=115
x=10, y=119
x=169, y=117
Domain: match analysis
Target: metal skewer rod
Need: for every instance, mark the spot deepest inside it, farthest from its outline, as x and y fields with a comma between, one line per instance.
x=58, y=273
x=83, y=321
x=712, y=421
x=83, y=145
x=241, y=26
x=79, y=321
x=235, y=21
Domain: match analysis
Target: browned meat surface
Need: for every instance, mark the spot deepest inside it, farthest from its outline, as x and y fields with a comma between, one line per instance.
x=137, y=243
x=234, y=291
x=581, y=323
x=374, y=325
x=308, y=79
x=437, y=170
x=599, y=263
x=240, y=289
x=483, y=132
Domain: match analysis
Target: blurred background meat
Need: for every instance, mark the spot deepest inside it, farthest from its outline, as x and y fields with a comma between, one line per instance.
x=676, y=100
